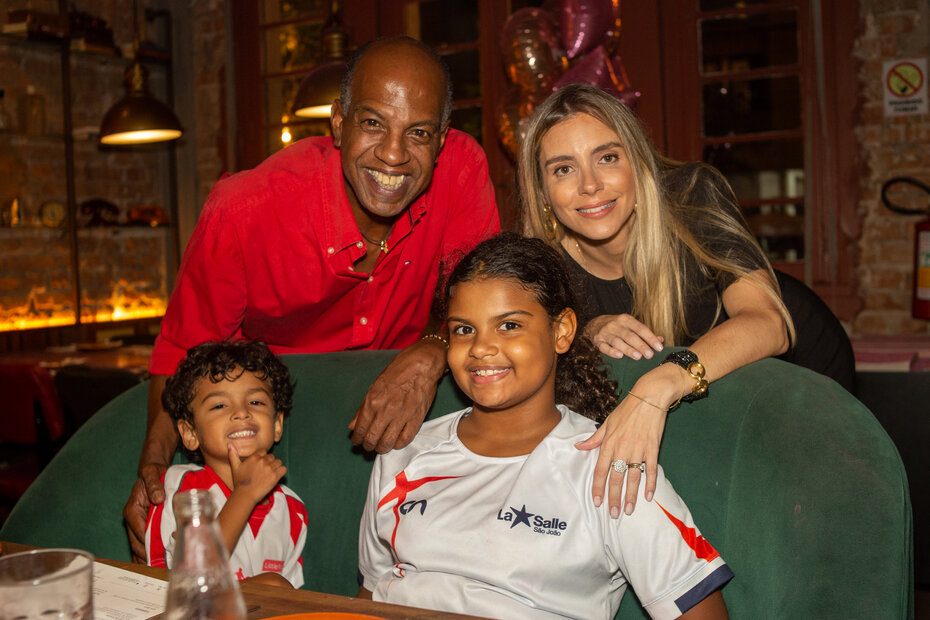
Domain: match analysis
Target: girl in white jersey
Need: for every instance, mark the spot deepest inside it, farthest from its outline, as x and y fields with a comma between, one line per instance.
x=485, y=512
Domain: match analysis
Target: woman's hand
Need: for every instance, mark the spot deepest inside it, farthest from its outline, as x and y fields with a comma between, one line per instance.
x=617, y=335
x=633, y=432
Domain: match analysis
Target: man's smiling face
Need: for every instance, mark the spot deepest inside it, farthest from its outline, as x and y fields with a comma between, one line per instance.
x=391, y=133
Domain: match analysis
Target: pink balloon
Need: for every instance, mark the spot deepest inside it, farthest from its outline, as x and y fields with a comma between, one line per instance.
x=587, y=24
x=597, y=69
x=531, y=50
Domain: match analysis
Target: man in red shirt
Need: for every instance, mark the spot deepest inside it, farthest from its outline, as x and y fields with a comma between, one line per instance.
x=334, y=244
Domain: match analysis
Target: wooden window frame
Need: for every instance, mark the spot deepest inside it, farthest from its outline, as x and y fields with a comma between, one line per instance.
x=827, y=29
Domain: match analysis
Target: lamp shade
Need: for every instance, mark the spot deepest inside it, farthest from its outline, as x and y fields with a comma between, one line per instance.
x=318, y=90
x=138, y=118
x=320, y=87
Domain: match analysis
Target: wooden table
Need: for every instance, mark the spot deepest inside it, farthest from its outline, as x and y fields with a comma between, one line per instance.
x=134, y=358
x=268, y=602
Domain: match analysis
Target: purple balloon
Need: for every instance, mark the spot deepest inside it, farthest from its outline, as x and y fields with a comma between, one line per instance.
x=587, y=24
x=598, y=69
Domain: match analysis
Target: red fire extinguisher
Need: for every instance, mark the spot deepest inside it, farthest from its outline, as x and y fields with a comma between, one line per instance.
x=920, y=300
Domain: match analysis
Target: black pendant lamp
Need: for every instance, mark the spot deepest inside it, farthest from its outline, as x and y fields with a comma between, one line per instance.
x=138, y=118
x=321, y=86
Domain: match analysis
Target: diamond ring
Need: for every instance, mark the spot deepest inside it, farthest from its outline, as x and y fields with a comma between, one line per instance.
x=621, y=466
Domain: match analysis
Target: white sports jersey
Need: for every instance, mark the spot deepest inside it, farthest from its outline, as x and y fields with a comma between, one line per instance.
x=271, y=542
x=519, y=537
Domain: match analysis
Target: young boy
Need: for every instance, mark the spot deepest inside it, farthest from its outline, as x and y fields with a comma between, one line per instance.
x=229, y=400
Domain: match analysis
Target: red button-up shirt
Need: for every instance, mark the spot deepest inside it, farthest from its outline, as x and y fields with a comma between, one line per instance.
x=271, y=257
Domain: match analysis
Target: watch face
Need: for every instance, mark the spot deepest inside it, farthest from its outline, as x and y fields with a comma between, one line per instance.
x=52, y=213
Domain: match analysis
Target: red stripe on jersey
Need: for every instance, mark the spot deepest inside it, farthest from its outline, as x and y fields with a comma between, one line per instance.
x=295, y=507
x=702, y=549
x=401, y=487
x=157, y=551
x=202, y=479
x=261, y=511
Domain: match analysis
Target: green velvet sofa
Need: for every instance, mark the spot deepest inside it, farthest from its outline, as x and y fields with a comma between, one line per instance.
x=791, y=479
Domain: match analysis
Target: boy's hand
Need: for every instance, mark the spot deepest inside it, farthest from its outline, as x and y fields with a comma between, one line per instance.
x=257, y=475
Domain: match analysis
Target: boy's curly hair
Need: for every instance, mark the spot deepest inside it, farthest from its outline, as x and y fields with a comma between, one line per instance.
x=219, y=361
x=581, y=380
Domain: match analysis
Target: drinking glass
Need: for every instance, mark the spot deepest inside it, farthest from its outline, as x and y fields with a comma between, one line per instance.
x=47, y=584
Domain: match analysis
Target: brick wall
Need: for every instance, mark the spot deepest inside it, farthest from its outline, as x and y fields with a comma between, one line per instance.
x=210, y=81
x=889, y=147
x=118, y=266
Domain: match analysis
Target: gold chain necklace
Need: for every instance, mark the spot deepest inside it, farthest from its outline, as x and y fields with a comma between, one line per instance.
x=584, y=261
x=382, y=245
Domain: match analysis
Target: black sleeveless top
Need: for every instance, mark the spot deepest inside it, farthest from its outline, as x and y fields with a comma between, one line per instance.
x=821, y=343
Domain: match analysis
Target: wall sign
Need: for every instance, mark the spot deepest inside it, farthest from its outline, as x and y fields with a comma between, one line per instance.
x=905, y=86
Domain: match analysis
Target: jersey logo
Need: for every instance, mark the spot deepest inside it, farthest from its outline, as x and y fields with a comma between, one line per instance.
x=401, y=487
x=516, y=517
x=413, y=505
x=539, y=524
x=272, y=566
x=702, y=549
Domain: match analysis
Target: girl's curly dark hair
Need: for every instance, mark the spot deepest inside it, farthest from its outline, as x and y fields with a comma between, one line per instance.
x=581, y=380
x=219, y=361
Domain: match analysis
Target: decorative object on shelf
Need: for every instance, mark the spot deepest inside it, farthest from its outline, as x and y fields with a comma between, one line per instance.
x=10, y=213
x=147, y=215
x=36, y=24
x=321, y=86
x=52, y=213
x=101, y=212
x=6, y=121
x=138, y=118
x=32, y=112
x=12, y=180
x=90, y=33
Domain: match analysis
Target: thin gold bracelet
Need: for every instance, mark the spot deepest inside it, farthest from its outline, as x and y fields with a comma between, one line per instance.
x=437, y=337
x=646, y=401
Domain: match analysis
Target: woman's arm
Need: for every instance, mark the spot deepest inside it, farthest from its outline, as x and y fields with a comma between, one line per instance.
x=633, y=431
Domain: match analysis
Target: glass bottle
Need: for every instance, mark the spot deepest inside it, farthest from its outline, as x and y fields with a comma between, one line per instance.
x=201, y=585
x=32, y=113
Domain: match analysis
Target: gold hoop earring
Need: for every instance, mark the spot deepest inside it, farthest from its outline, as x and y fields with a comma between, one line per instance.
x=635, y=204
x=550, y=223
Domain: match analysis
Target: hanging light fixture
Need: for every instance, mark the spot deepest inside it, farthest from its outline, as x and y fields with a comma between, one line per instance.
x=138, y=118
x=321, y=86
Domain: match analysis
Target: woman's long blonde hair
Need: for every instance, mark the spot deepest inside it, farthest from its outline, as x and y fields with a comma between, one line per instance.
x=655, y=262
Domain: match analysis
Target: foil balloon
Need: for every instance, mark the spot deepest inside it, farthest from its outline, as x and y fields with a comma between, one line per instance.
x=586, y=24
x=513, y=118
x=598, y=69
x=531, y=50
x=613, y=35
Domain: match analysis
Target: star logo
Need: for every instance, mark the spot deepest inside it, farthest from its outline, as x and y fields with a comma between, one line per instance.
x=522, y=516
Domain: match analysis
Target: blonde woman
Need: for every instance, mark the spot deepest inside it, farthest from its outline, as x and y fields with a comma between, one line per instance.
x=665, y=259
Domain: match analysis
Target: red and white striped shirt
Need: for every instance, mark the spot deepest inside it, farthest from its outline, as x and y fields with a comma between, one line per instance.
x=271, y=542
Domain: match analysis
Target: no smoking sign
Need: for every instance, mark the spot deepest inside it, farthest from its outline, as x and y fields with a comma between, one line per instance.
x=905, y=87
